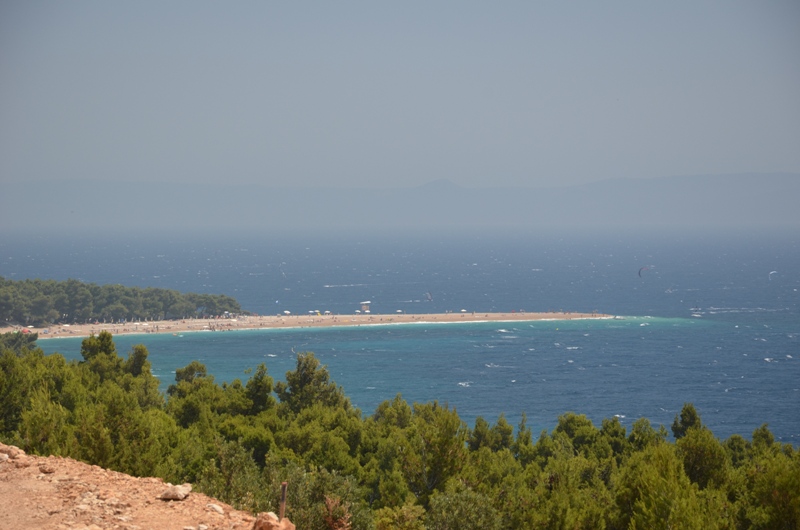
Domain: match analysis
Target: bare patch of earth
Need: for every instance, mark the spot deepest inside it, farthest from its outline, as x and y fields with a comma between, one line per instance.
x=61, y=493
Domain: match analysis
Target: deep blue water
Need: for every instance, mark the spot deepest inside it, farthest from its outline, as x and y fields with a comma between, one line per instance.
x=705, y=322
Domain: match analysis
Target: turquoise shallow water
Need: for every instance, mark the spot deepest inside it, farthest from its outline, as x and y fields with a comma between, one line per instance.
x=714, y=325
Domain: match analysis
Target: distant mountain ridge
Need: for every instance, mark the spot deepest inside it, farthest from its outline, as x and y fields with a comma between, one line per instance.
x=751, y=200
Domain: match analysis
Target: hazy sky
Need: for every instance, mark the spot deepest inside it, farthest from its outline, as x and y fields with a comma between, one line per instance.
x=397, y=94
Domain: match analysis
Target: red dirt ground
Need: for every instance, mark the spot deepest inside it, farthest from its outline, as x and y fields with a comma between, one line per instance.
x=61, y=493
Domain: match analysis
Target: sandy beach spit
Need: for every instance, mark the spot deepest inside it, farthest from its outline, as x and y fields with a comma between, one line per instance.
x=291, y=321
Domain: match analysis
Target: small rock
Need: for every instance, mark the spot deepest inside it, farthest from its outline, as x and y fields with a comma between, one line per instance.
x=46, y=468
x=176, y=493
x=269, y=521
x=4, y=457
x=12, y=451
x=113, y=501
x=215, y=507
x=202, y=527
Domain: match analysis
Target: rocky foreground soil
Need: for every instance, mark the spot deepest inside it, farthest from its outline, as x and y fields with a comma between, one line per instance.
x=61, y=493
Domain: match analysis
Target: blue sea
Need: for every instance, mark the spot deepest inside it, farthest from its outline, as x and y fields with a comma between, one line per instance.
x=704, y=318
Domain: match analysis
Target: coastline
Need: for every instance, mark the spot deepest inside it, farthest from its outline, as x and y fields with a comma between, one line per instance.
x=293, y=321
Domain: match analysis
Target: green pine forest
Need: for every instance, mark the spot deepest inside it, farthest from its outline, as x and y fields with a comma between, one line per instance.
x=42, y=302
x=402, y=466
